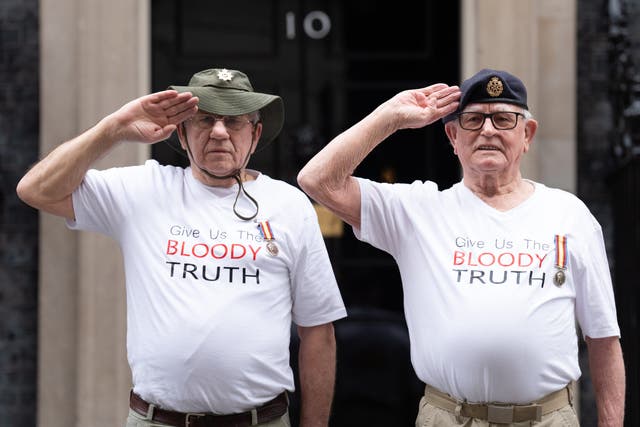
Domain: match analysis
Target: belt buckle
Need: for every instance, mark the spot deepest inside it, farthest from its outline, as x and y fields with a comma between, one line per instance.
x=500, y=414
x=188, y=420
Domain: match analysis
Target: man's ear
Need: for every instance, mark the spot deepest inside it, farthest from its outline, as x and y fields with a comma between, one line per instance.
x=182, y=131
x=257, y=133
x=452, y=133
x=530, y=128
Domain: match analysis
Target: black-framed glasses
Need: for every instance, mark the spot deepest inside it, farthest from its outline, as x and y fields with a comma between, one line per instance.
x=207, y=121
x=502, y=120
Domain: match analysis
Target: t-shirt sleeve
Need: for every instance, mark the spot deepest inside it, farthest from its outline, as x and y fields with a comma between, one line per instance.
x=316, y=297
x=384, y=219
x=104, y=199
x=595, y=302
x=378, y=223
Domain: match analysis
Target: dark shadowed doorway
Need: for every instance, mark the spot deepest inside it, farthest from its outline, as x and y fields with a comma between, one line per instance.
x=332, y=62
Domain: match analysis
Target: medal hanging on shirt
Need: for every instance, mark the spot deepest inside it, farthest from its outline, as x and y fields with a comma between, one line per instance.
x=265, y=229
x=561, y=260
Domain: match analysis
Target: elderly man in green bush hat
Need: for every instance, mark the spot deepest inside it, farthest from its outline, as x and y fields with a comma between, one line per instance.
x=219, y=259
x=227, y=96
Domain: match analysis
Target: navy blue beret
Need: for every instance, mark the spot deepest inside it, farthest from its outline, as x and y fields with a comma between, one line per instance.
x=490, y=86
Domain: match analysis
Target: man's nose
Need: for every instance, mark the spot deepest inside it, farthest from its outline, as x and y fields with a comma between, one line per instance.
x=218, y=126
x=488, y=127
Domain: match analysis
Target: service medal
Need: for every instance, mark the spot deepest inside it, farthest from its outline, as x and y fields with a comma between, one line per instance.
x=561, y=259
x=267, y=234
x=272, y=248
x=559, y=277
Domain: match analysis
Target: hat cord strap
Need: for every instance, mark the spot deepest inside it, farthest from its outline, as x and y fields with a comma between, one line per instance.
x=243, y=190
x=235, y=175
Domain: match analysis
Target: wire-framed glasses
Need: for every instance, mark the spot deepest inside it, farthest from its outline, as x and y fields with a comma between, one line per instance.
x=502, y=120
x=207, y=121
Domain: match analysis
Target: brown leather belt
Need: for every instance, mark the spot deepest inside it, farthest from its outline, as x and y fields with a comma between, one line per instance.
x=501, y=413
x=269, y=411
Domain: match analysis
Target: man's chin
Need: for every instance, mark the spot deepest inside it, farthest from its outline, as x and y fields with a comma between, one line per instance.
x=489, y=165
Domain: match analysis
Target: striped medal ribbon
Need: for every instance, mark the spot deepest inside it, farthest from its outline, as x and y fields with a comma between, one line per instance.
x=265, y=229
x=561, y=260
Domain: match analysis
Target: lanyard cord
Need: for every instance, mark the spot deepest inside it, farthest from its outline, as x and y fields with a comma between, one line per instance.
x=235, y=175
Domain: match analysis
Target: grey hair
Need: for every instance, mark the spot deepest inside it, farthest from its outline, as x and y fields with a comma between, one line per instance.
x=255, y=116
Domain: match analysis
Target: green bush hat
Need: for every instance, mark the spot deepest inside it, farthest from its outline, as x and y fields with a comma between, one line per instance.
x=229, y=93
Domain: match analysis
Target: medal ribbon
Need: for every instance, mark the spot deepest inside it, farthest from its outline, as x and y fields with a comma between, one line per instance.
x=561, y=251
x=265, y=228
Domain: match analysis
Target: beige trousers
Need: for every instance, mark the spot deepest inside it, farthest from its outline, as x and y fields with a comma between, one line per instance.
x=430, y=416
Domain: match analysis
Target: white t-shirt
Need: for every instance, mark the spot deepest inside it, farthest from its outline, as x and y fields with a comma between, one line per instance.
x=209, y=310
x=486, y=321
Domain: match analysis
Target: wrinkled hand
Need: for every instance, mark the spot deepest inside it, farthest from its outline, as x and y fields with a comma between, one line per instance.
x=417, y=108
x=153, y=118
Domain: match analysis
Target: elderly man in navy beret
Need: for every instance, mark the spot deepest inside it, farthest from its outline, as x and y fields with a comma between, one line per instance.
x=495, y=270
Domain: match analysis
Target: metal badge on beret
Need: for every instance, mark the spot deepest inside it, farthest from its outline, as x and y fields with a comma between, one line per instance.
x=225, y=75
x=495, y=87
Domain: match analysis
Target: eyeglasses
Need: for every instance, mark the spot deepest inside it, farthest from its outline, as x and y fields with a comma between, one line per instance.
x=502, y=120
x=207, y=121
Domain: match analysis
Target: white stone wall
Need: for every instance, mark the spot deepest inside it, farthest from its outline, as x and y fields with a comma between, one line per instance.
x=535, y=40
x=94, y=57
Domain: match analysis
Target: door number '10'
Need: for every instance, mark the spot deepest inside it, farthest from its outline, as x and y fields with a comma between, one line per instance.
x=316, y=24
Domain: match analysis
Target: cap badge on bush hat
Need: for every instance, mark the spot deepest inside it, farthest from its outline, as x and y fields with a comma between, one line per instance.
x=230, y=93
x=489, y=85
x=225, y=75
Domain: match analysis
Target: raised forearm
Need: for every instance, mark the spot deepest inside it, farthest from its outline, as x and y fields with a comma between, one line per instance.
x=329, y=170
x=49, y=183
x=327, y=178
x=151, y=118
x=317, y=369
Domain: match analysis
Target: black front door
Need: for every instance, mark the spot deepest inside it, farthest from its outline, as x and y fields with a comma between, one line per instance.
x=332, y=61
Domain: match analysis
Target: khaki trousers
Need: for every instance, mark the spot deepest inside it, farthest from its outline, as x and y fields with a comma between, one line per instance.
x=556, y=414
